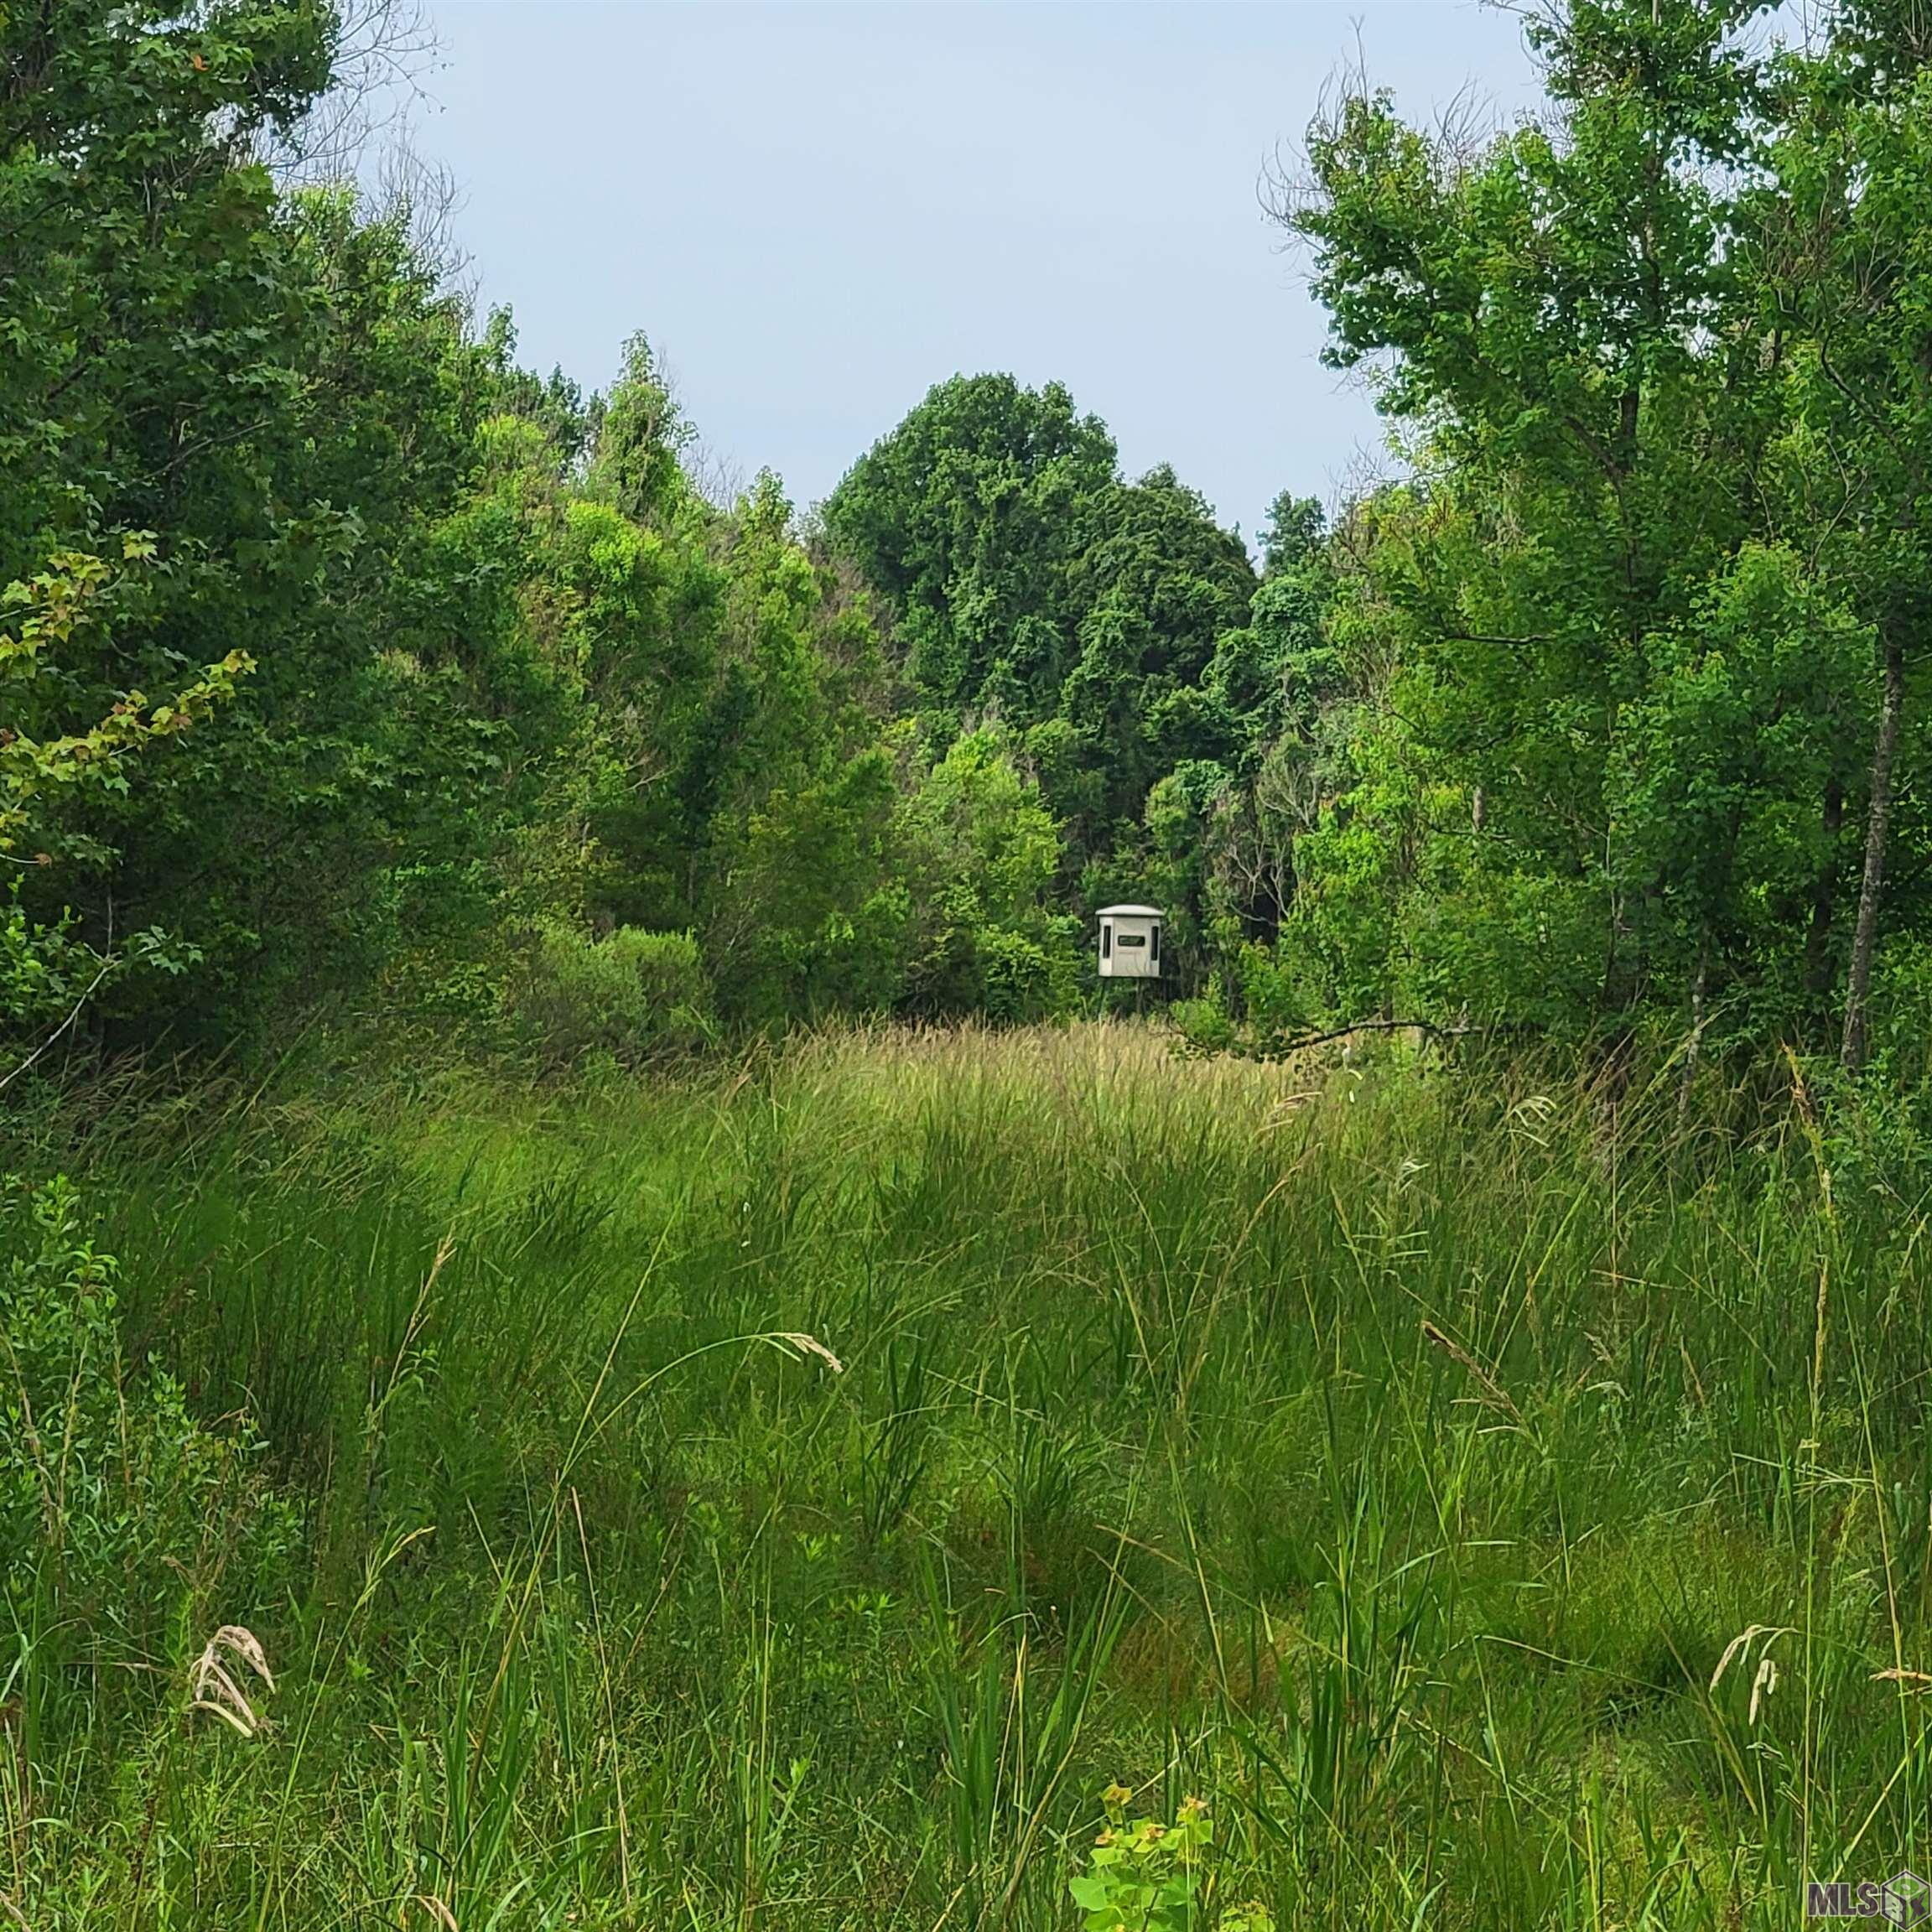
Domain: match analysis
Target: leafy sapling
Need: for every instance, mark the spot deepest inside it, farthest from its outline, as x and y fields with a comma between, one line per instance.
x=1149, y=1877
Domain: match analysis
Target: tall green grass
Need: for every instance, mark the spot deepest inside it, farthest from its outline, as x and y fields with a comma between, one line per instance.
x=1389, y=1456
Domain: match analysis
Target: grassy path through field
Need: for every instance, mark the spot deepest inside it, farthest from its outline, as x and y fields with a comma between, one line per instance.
x=789, y=1498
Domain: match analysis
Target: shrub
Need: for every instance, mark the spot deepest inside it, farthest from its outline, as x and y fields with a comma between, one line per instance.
x=1019, y=976
x=635, y=995
x=1013, y=977
x=1147, y=1877
x=116, y=1504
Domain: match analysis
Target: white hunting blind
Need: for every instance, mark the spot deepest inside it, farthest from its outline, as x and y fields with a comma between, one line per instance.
x=1130, y=942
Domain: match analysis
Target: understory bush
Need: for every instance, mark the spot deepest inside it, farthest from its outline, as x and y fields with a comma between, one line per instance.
x=129, y=1529
x=633, y=994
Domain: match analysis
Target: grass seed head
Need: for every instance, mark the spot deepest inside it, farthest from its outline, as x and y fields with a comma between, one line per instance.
x=213, y=1687
x=811, y=1345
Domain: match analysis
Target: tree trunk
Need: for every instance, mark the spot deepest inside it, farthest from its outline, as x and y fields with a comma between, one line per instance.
x=1865, y=939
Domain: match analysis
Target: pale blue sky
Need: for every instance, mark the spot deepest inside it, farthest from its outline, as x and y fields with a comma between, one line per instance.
x=817, y=211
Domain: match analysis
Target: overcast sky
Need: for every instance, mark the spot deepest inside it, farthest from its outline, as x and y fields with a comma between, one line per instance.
x=815, y=212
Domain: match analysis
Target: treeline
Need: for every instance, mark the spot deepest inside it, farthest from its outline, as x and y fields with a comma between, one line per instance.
x=349, y=668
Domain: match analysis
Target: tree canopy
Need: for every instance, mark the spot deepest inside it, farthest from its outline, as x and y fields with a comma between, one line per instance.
x=351, y=667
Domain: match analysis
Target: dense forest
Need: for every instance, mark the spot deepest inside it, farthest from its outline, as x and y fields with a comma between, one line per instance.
x=353, y=671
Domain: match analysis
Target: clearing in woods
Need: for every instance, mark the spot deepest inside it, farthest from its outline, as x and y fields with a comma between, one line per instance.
x=792, y=1497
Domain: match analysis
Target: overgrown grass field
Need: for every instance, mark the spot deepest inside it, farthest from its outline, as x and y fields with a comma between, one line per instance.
x=789, y=1496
